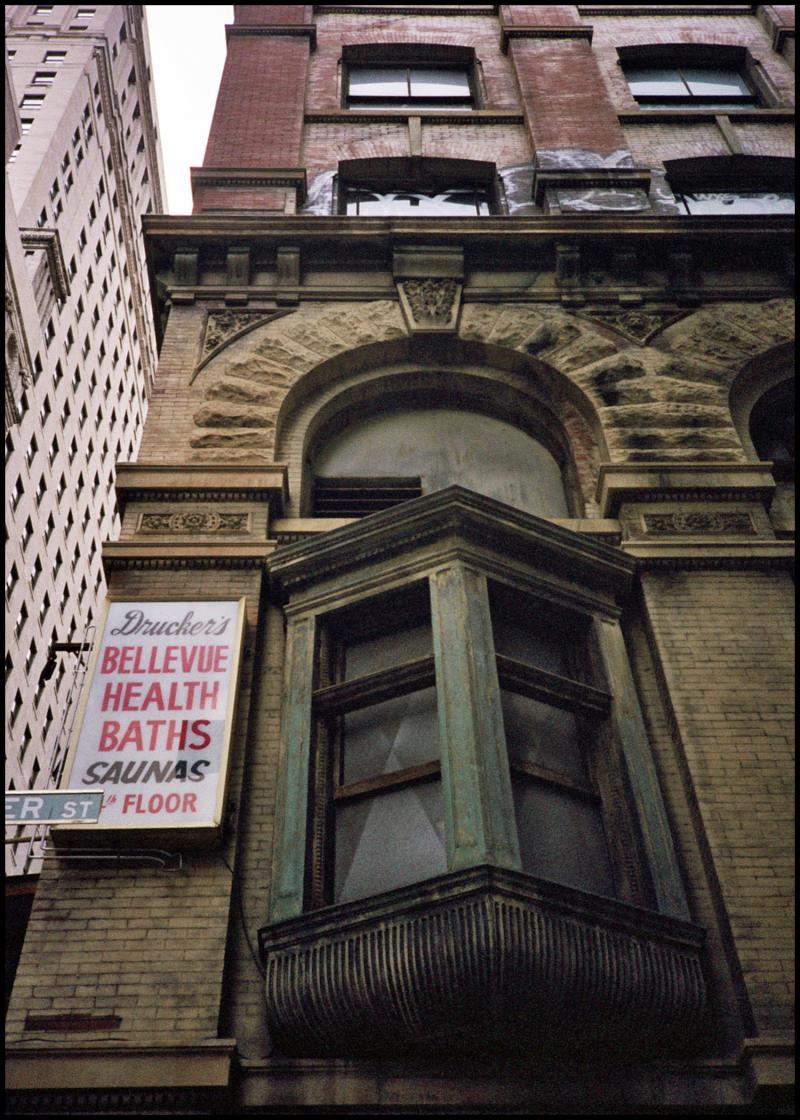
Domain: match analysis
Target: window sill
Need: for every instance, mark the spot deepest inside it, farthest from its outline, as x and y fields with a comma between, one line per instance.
x=483, y=959
x=431, y=116
x=705, y=113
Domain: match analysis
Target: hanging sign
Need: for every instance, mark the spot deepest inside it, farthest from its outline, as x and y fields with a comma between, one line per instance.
x=155, y=726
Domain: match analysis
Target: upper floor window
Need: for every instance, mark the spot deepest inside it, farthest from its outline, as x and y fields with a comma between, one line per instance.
x=417, y=186
x=695, y=76
x=454, y=202
x=737, y=202
x=409, y=87
x=662, y=87
x=733, y=184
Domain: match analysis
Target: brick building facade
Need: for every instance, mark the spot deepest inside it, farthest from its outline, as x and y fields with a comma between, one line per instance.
x=475, y=366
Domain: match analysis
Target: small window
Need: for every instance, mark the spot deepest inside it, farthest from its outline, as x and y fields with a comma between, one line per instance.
x=451, y=202
x=737, y=202
x=43, y=78
x=54, y=58
x=409, y=87
x=26, y=123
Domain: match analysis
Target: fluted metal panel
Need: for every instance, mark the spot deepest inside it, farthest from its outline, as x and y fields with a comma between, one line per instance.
x=491, y=962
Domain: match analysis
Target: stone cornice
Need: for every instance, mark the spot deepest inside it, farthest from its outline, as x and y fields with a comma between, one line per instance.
x=454, y=515
x=49, y=242
x=536, y=31
x=703, y=553
x=608, y=178
x=157, y=481
x=175, y=555
x=698, y=482
x=584, y=227
x=308, y=30
x=251, y=177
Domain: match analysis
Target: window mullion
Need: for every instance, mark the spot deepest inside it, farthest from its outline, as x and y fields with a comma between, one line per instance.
x=630, y=729
x=291, y=823
x=476, y=783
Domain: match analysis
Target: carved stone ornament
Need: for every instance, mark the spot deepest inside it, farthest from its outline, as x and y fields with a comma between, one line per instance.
x=431, y=304
x=195, y=522
x=222, y=326
x=637, y=325
x=669, y=524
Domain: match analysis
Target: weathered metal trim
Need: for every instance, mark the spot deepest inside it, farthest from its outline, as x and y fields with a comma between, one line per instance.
x=444, y=515
x=478, y=956
x=535, y=31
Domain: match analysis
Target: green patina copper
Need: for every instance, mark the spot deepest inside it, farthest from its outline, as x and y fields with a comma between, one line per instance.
x=291, y=824
x=647, y=800
x=479, y=811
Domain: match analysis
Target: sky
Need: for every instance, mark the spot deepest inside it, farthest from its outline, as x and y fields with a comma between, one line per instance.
x=187, y=59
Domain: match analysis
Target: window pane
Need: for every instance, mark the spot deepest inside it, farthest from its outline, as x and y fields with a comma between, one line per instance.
x=542, y=735
x=654, y=82
x=444, y=446
x=520, y=641
x=412, y=204
x=368, y=82
x=707, y=82
x=735, y=202
x=389, y=841
x=439, y=83
x=391, y=736
x=371, y=655
x=561, y=838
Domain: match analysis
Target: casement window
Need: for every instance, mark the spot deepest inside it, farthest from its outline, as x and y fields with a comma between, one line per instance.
x=454, y=745
x=378, y=769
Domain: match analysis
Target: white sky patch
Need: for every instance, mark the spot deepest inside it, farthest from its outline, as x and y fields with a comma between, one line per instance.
x=188, y=48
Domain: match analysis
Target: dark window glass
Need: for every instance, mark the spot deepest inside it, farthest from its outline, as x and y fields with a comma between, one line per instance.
x=453, y=202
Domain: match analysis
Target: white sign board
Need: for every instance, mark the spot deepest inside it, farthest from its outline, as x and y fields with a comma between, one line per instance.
x=157, y=714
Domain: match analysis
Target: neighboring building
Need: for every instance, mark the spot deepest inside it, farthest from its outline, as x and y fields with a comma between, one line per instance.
x=82, y=166
x=471, y=411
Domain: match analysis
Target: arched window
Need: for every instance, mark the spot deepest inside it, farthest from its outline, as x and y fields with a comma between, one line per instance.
x=386, y=458
x=772, y=428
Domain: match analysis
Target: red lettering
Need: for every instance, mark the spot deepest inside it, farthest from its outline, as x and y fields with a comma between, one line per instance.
x=108, y=736
x=205, y=738
x=125, y=657
x=132, y=736
x=156, y=803
x=187, y=658
x=220, y=659
x=109, y=662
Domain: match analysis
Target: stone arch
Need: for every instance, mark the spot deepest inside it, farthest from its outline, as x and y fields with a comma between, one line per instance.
x=337, y=395
x=668, y=400
x=754, y=379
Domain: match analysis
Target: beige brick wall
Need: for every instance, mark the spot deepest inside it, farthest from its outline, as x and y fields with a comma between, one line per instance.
x=142, y=943
x=725, y=644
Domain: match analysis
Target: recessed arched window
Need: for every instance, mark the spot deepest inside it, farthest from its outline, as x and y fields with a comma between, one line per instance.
x=772, y=428
x=382, y=459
